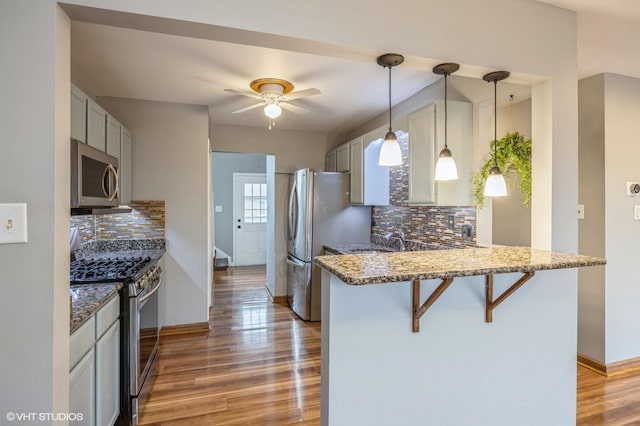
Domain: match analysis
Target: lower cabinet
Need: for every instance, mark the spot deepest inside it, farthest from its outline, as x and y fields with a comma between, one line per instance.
x=108, y=376
x=94, y=381
x=81, y=390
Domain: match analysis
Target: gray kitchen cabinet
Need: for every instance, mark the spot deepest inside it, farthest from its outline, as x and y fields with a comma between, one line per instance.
x=96, y=125
x=343, y=163
x=94, y=358
x=330, y=161
x=81, y=389
x=426, y=139
x=422, y=146
x=114, y=129
x=78, y=112
x=369, y=181
x=108, y=376
x=125, y=166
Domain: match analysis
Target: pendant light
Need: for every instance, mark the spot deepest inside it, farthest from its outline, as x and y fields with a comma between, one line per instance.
x=495, y=185
x=446, y=167
x=390, y=154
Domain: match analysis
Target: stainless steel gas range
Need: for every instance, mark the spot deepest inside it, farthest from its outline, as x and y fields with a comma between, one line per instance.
x=139, y=316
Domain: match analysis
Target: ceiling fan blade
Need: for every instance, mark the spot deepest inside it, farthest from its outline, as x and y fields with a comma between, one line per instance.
x=247, y=94
x=293, y=108
x=301, y=94
x=259, y=104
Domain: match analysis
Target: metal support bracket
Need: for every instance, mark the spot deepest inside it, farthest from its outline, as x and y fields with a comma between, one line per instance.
x=419, y=310
x=491, y=304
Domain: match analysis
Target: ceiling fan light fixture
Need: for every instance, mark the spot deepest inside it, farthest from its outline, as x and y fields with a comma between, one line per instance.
x=446, y=166
x=272, y=110
x=390, y=154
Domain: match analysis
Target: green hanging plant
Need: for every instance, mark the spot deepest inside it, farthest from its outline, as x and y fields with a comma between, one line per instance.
x=513, y=156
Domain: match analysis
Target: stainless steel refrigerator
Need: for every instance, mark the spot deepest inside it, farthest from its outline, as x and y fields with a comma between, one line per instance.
x=319, y=215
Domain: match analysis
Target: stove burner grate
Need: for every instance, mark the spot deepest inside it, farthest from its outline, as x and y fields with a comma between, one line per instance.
x=106, y=269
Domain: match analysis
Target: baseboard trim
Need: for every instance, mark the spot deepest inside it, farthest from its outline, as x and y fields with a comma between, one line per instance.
x=196, y=327
x=279, y=300
x=611, y=369
x=592, y=364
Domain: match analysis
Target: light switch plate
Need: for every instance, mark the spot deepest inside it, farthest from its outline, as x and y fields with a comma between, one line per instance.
x=636, y=212
x=218, y=209
x=13, y=223
x=580, y=211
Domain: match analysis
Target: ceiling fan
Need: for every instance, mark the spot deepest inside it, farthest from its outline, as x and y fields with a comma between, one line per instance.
x=274, y=95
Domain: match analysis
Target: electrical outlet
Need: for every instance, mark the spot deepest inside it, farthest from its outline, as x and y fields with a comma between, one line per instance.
x=636, y=212
x=580, y=211
x=218, y=209
x=450, y=221
x=13, y=223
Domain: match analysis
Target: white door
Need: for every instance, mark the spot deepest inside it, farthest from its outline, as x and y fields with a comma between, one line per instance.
x=250, y=218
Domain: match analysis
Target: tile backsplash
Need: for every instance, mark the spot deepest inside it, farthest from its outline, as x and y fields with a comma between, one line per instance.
x=146, y=220
x=428, y=224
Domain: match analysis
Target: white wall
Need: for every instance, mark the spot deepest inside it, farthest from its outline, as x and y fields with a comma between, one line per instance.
x=622, y=233
x=171, y=163
x=457, y=370
x=34, y=169
x=293, y=149
x=511, y=218
x=591, y=229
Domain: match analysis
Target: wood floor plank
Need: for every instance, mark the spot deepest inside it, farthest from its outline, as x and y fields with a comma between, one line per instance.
x=260, y=365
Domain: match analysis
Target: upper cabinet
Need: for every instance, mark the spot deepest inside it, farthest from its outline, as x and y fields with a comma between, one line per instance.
x=343, y=163
x=422, y=135
x=113, y=136
x=93, y=125
x=426, y=139
x=96, y=125
x=78, y=114
x=369, y=181
x=330, y=161
x=125, y=166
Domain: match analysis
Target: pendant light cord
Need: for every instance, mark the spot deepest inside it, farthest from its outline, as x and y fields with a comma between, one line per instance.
x=495, y=123
x=390, y=98
x=445, y=110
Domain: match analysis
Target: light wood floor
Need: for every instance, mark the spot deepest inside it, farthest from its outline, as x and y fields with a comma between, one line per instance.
x=260, y=365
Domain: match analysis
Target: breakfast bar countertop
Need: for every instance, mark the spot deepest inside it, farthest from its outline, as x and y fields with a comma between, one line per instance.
x=388, y=267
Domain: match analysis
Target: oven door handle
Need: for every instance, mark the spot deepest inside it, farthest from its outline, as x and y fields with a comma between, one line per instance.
x=148, y=295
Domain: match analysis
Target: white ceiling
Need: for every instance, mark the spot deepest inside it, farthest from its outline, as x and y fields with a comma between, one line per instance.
x=121, y=62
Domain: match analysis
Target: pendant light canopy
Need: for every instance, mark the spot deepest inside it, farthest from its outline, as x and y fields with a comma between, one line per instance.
x=495, y=185
x=446, y=167
x=390, y=154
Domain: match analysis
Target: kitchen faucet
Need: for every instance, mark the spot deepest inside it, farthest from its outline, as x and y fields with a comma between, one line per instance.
x=397, y=234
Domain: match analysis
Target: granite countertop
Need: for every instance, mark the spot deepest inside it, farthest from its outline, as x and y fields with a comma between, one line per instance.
x=87, y=299
x=381, y=267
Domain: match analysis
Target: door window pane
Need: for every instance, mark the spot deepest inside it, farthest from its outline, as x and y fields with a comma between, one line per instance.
x=255, y=203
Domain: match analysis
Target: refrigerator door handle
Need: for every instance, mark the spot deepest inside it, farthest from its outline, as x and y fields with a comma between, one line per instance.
x=293, y=216
x=295, y=262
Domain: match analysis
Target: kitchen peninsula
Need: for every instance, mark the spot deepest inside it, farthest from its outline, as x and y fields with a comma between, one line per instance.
x=482, y=336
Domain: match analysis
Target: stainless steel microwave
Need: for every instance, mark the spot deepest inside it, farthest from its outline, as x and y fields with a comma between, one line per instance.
x=94, y=177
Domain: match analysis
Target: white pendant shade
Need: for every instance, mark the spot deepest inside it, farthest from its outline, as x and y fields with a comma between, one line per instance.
x=272, y=110
x=390, y=154
x=446, y=168
x=495, y=186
